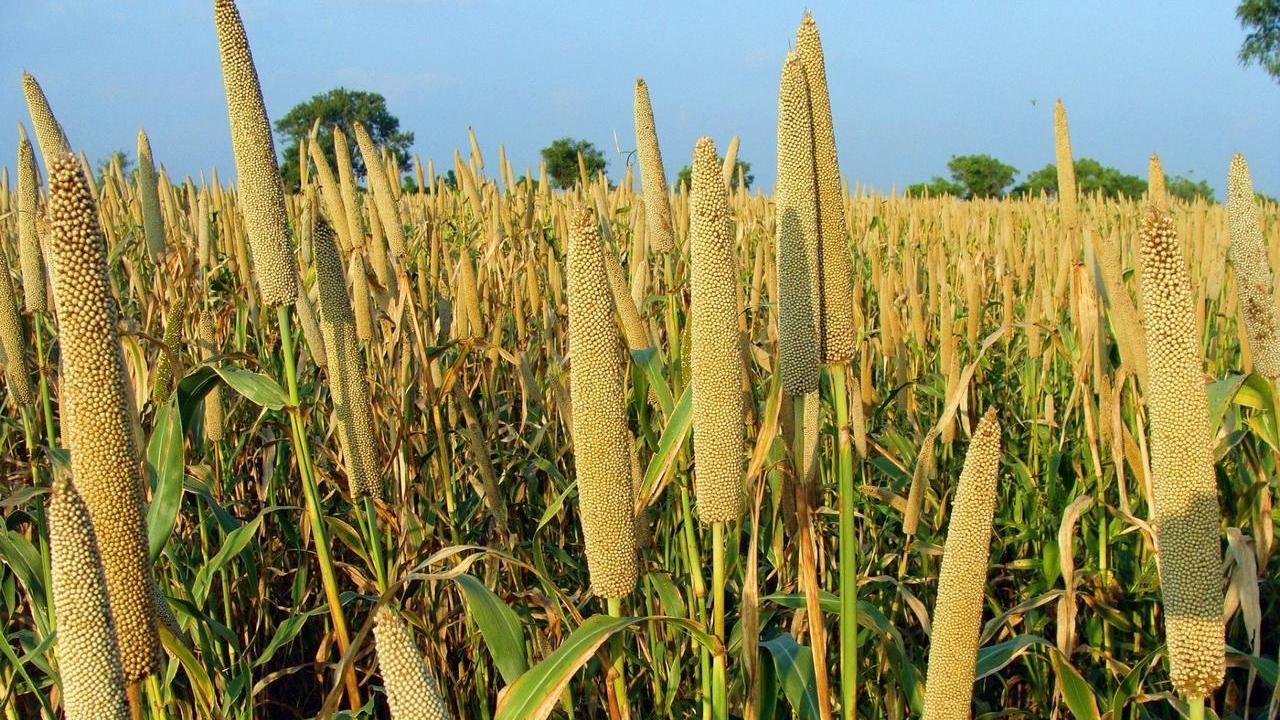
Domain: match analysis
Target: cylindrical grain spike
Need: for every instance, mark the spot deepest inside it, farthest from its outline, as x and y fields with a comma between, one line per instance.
x=88, y=658
x=261, y=193
x=600, y=431
x=926, y=464
x=13, y=339
x=49, y=134
x=653, y=178
x=96, y=423
x=1067, y=199
x=347, y=187
x=330, y=190
x=632, y=324
x=148, y=192
x=30, y=255
x=383, y=199
x=730, y=163
x=348, y=381
x=797, y=223
x=411, y=691
x=718, y=430
x=165, y=370
x=360, y=293
x=1187, y=516
x=1253, y=270
x=1157, y=194
x=311, y=329
x=834, y=270
x=213, y=430
x=957, y=614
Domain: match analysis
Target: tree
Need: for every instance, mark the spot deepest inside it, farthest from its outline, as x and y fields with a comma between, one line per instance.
x=342, y=107
x=981, y=175
x=935, y=187
x=561, y=157
x=1261, y=19
x=1091, y=177
x=685, y=176
x=1187, y=189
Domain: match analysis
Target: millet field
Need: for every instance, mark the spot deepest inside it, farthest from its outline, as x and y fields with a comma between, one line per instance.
x=487, y=449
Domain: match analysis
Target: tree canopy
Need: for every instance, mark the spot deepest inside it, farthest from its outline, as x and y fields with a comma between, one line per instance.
x=685, y=176
x=342, y=107
x=561, y=157
x=972, y=176
x=1261, y=21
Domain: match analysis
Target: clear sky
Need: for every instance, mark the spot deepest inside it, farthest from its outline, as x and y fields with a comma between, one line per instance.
x=911, y=83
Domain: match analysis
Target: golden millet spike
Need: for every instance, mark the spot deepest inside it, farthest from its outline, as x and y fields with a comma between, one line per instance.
x=957, y=614
x=261, y=192
x=149, y=195
x=718, y=430
x=600, y=431
x=1254, y=283
x=30, y=254
x=348, y=381
x=835, y=270
x=96, y=421
x=653, y=178
x=213, y=430
x=412, y=693
x=1187, y=517
x=1067, y=198
x=49, y=134
x=383, y=198
x=797, y=228
x=88, y=658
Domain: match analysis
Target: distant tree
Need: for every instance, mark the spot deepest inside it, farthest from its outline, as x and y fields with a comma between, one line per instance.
x=1187, y=189
x=685, y=176
x=1261, y=20
x=342, y=107
x=977, y=176
x=935, y=187
x=1091, y=177
x=104, y=165
x=561, y=157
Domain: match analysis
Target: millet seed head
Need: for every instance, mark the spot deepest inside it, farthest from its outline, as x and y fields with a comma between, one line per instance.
x=1067, y=198
x=653, y=178
x=957, y=614
x=383, y=195
x=603, y=465
x=1254, y=282
x=348, y=380
x=149, y=195
x=1187, y=517
x=836, y=335
x=49, y=134
x=213, y=419
x=261, y=192
x=412, y=693
x=797, y=234
x=88, y=658
x=1157, y=194
x=716, y=375
x=30, y=255
x=96, y=420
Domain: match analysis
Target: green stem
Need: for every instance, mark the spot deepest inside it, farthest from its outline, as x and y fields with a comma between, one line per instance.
x=1195, y=708
x=51, y=436
x=719, y=690
x=848, y=550
x=619, y=660
x=315, y=515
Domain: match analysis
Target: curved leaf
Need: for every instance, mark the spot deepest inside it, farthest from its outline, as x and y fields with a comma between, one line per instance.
x=165, y=458
x=255, y=387
x=501, y=629
x=794, y=665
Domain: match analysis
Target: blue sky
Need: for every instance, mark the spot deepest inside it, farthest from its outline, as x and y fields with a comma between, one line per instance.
x=911, y=83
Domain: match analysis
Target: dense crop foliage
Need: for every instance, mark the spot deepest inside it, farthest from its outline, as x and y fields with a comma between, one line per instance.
x=613, y=451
